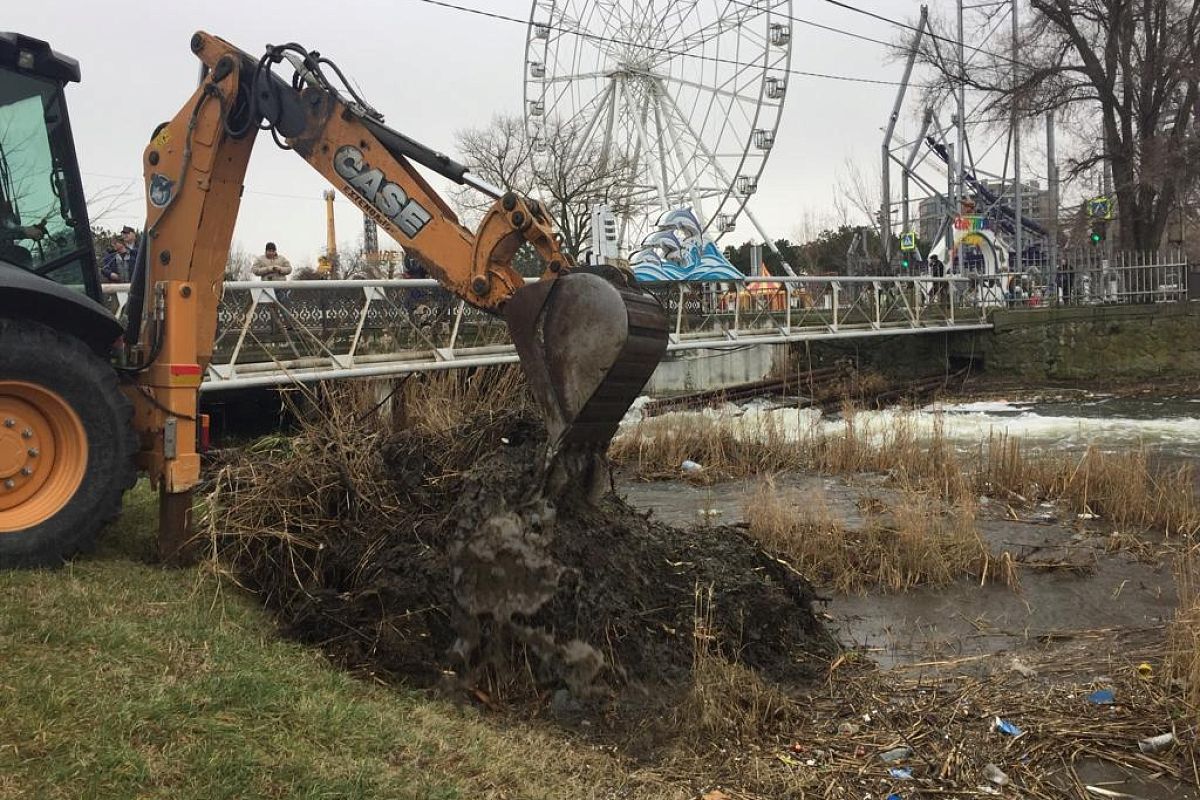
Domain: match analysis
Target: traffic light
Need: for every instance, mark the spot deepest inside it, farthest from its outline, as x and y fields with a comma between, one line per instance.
x=1099, y=231
x=905, y=263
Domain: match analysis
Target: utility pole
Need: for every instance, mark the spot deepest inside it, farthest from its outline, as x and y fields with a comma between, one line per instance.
x=1016, y=138
x=331, y=252
x=957, y=209
x=885, y=204
x=1052, y=212
x=960, y=151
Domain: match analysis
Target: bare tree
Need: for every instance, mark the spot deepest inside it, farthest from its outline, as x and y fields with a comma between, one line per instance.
x=238, y=263
x=557, y=167
x=1123, y=75
x=857, y=206
x=857, y=200
x=109, y=200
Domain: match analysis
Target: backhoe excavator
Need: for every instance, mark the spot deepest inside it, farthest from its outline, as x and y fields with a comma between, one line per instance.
x=86, y=402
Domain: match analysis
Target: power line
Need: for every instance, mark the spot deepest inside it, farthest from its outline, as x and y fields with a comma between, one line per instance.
x=652, y=48
x=135, y=187
x=929, y=33
x=822, y=26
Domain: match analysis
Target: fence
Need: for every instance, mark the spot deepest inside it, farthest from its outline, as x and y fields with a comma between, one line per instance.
x=272, y=333
x=1085, y=277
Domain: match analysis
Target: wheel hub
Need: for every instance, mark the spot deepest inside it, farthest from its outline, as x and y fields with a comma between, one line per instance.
x=12, y=455
x=43, y=454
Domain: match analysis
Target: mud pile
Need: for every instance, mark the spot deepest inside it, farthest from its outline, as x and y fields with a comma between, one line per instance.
x=418, y=555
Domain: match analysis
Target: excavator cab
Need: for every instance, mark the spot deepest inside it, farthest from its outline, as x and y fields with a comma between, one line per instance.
x=66, y=444
x=43, y=217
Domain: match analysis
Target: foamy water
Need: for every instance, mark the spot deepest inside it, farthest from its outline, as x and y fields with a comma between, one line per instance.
x=1167, y=425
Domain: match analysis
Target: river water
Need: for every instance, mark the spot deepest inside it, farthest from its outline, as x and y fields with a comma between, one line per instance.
x=1168, y=426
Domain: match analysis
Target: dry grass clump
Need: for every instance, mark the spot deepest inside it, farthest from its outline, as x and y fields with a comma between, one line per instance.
x=916, y=541
x=726, y=698
x=725, y=447
x=1183, y=652
x=1125, y=488
x=445, y=402
x=929, y=463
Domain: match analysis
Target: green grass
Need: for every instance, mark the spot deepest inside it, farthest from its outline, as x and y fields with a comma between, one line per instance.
x=119, y=679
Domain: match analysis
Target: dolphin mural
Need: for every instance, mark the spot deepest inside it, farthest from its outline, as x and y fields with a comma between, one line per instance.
x=678, y=251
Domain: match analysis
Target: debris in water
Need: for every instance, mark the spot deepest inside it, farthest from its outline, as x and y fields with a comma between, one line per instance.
x=1021, y=668
x=1006, y=727
x=1154, y=744
x=900, y=773
x=1102, y=697
x=896, y=754
x=995, y=775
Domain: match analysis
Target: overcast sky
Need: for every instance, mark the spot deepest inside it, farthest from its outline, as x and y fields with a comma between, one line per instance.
x=432, y=71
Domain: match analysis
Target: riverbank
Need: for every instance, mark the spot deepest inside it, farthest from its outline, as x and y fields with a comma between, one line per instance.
x=1010, y=620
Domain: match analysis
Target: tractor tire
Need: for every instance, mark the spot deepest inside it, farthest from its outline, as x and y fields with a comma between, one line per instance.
x=67, y=445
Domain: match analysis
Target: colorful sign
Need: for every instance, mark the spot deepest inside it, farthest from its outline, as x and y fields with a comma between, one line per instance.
x=1100, y=208
x=969, y=229
x=908, y=241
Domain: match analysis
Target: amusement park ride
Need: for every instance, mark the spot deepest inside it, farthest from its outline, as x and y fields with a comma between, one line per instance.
x=657, y=91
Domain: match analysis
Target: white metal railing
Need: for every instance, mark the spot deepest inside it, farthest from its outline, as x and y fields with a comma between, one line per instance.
x=279, y=332
x=1085, y=277
x=1124, y=280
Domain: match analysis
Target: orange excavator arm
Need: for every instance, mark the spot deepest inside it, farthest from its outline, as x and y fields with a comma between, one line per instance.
x=194, y=170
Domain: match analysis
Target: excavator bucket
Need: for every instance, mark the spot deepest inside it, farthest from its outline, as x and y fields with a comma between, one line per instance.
x=588, y=342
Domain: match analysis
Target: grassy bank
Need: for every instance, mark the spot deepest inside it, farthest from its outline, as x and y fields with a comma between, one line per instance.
x=119, y=679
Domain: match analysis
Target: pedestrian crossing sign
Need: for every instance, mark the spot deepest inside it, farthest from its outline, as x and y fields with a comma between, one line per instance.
x=1100, y=208
x=908, y=241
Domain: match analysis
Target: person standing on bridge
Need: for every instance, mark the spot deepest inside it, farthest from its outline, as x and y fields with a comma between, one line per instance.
x=117, y=264
x=937, y=270
x=271, y=266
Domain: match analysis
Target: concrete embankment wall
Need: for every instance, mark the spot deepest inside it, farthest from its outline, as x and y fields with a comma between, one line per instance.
x=1089, y=342
x=1083, y=343
x=900, y=356
x=696, y=370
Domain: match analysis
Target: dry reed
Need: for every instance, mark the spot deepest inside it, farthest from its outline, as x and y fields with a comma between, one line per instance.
x=917, y=541
x=1183, y=652
x=1127, y=490
x=726, y=699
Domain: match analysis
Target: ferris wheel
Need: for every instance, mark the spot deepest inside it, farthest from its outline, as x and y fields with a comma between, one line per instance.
x=686, y=95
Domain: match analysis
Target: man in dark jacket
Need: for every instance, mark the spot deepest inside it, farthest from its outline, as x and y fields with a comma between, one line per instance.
x=117, y=262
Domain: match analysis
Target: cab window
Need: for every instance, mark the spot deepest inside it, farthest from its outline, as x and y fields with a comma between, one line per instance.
x=39, y=228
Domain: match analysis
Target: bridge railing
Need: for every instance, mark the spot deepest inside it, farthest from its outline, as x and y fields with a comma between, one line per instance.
x=1088, y=277
x=811, y=307
x=278, y=332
